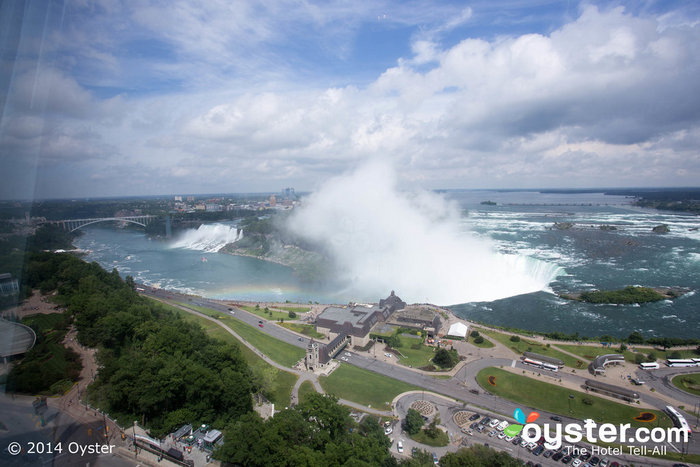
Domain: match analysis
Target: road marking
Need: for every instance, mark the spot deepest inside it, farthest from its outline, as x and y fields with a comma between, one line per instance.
x=512, y=365
x=677, y=450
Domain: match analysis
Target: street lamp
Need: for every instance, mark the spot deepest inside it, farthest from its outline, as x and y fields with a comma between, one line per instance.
x=134, y=439
x=571, y=397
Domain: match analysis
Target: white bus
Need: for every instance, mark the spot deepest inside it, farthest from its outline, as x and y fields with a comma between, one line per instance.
x=681, y=362
x=550, y=367
x=529, y=361
x=649, y=366
x=678, y=419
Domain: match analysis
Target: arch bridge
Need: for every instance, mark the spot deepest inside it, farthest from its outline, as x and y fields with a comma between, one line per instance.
x=74, y=224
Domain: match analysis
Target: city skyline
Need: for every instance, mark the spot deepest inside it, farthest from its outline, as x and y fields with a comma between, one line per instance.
x=109, y=99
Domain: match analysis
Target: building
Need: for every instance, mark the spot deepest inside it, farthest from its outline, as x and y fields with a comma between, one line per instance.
x=8, y=285
x=347, y=325
x=417, y=317
x=356, y=320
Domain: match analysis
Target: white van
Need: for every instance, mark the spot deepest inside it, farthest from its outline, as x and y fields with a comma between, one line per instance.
x=399, y=446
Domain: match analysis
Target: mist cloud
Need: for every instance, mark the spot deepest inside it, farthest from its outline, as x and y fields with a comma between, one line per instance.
x=383, y=239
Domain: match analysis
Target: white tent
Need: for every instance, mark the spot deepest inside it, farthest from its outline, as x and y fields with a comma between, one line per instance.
x=458, y=330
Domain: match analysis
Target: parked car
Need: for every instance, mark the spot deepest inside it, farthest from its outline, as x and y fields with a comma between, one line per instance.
x=399, y=446
x=556, y=418
x=474, y=417
x=538, y=450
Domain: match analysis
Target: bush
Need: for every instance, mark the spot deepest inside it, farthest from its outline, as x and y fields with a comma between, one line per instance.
x=476, y=334
x=515, y=338
x=587, y=401
x=651, y=357
x=478, y=340
x=675, y=354
x=292, y=315
x=639, y=358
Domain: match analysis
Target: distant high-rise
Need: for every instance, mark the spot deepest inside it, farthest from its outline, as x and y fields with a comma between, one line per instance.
x=288, y=193
x=273, y=200
x=178, y=198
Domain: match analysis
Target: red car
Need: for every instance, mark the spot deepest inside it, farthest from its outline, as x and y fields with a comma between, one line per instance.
x=260, y=324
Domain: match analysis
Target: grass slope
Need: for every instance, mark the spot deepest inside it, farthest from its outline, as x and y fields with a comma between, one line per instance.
x=364, y=387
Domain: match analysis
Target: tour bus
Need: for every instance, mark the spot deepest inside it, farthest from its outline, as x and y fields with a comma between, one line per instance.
x=529, y=361
x=649, y=366
x=539, y=364
x=682, y=362
x=678, y=419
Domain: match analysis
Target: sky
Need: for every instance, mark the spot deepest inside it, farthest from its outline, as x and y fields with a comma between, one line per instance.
x=112, y=98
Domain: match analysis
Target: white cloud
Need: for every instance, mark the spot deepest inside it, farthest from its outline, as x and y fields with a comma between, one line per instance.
x=591, y=97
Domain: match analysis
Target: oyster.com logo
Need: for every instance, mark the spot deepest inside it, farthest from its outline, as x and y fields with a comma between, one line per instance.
x=519, y=415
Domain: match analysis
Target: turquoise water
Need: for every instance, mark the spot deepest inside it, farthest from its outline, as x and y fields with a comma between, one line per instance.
x=520, y=224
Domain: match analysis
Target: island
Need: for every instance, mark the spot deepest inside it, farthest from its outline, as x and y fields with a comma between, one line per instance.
x=627, y=296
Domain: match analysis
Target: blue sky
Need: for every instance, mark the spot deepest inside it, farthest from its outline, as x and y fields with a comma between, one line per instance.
x=109, y=98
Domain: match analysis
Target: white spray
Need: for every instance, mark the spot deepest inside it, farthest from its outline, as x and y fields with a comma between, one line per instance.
x=208, y=237
x=381, y=239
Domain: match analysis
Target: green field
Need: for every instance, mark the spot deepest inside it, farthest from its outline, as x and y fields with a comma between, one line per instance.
x=441, y=440
x=689, y=382
x=305, y=329
x=415, y=357
x=487, y=344
x=364, y=387
x=281, y=352
x=545, y=396
x=284, y=381
x=296, y=309
x=527, y=345
x=305, y=389
x=272, y=315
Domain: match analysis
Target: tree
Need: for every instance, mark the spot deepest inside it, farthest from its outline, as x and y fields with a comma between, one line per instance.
x=639, y=358
x=675, y=354
x=393, y=341
x=474, y=333
x=515, y=338
x=478, y=340
x=478, y=455
x=292, y=315
x=635, y=338
x=444, y=358
x=413, y=422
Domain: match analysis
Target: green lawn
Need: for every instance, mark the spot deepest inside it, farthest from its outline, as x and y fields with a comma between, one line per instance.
x=590, y=352
x=305, y=389
x=487, y=344
x=284, y=381
x=689, y=382
x=272, y=315
x=281, y=352
x=296, y=309
x=305, y=329
x=545, y=396
x=441, y=440
x=527, y=345
x=415, y=357
x=364, y=387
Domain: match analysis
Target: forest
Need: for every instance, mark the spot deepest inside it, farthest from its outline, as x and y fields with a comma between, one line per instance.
x=155, y=368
